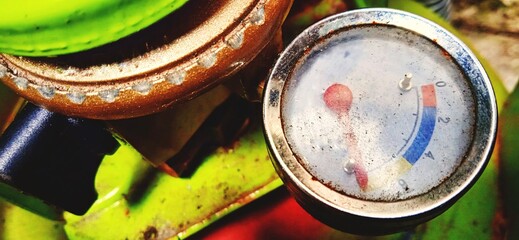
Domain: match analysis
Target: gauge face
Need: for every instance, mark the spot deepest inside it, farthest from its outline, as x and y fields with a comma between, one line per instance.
x=378, y=113
x=378, y=117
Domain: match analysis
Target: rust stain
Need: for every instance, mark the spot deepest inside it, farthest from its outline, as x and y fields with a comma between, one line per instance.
x=446, y=54
x=150, y=233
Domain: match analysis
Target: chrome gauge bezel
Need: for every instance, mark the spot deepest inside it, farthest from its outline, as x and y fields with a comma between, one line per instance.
x=378, y=217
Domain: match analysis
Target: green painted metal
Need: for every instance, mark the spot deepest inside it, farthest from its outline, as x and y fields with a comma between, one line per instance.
x=54, y=27
x=29, y=202
x=137, y=201
x=17, y=223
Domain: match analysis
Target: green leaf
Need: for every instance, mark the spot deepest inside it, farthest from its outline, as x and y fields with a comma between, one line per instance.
x=371, y=3
x=509, y=163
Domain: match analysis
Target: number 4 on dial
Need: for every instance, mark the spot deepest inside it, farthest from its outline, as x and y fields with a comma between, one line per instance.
x=429, y=155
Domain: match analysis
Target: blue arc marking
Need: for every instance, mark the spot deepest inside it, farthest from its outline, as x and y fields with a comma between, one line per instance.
x=426, y=129
x=423, y=137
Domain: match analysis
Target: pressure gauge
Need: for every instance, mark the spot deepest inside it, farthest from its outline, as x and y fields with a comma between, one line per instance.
x=378, y=120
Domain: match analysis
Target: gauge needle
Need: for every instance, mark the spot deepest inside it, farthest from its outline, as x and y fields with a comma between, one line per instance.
x=338, y=98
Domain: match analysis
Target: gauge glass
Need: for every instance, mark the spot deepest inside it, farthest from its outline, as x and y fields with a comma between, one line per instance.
x=378, y=117
x=358, y=130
